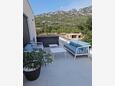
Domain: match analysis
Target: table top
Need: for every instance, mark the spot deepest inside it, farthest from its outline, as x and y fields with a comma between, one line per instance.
x=53, y=45
x=57, y=50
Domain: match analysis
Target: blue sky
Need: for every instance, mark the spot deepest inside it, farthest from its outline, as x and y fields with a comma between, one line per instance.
x=43, y=6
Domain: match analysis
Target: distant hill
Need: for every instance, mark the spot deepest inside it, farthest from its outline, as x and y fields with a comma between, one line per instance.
x=71, y=17
x=84, y=11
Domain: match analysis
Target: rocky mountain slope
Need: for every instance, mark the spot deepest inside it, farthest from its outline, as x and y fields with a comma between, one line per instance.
x=71, y=17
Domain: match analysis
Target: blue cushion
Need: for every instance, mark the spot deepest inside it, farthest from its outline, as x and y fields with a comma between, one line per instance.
x=70, y=47
x=74, y=44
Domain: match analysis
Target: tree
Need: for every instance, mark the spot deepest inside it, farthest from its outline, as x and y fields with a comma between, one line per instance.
x=88, y=31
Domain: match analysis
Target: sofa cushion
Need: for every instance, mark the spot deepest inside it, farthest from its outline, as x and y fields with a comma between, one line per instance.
x=70, y=47
x=82, y=50
x=74, y=44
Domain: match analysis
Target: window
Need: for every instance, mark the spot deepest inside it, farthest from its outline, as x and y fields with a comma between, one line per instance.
x=73, y=36
x=79, y=36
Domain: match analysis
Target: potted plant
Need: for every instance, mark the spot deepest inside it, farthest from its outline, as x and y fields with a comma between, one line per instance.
x=32, y=62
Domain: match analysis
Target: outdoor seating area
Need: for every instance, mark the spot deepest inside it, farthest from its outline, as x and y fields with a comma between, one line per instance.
x=64, y=71
x=75, y=47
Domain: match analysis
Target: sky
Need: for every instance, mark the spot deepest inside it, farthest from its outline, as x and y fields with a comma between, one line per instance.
x=44, y=6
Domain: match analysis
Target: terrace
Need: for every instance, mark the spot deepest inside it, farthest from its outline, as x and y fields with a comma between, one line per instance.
x=64, y=71
x=67, y=69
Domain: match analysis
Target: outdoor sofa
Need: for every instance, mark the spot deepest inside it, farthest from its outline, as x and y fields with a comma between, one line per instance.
x=48, y=40
x=77, y=48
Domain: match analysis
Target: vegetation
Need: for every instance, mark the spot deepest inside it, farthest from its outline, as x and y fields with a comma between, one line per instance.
x=33, y=60
x=66, y=22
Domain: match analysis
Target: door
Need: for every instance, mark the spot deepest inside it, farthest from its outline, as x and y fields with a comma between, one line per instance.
x=26, y=36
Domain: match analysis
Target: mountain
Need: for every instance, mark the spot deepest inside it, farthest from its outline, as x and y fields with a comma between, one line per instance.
x=71, y=17
x=84, y=11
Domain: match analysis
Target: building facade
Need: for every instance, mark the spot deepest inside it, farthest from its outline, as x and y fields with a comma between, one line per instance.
x=73, y=36
x=29, y=30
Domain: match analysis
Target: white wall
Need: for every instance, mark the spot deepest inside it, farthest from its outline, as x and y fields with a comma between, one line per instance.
x=31, y=21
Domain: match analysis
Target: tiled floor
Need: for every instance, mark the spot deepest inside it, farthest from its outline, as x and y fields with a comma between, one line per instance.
x=65, y=71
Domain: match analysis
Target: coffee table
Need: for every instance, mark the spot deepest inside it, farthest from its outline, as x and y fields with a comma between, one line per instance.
x=56, y=50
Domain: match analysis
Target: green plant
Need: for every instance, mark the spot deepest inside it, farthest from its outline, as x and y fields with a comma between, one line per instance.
x=33, y=60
